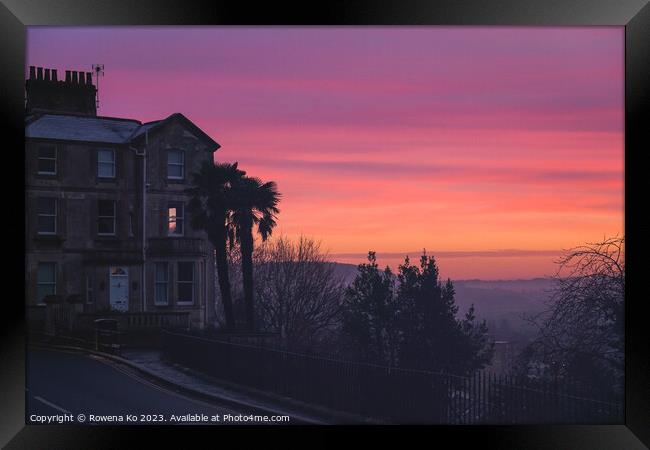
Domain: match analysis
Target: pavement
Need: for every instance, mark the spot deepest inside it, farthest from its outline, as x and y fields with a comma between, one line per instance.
x=84, y=380
x=70, y=387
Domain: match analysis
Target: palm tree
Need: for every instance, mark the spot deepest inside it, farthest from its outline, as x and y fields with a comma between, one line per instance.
x=209, y=208
x=255, y=203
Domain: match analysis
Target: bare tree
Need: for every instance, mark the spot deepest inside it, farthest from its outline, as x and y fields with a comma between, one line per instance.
x=299, y=292
x=581, y=335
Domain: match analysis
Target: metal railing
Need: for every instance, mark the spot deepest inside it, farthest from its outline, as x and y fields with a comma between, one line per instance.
x=393, y=394
x=140, y=320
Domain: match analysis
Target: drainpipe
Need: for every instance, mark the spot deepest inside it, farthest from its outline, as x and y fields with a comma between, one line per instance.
x=144, y=220
x=206, y=314
x=143, y=280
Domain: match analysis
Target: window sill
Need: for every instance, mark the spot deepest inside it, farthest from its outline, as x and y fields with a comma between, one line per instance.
x=100, y=180
x=107, y=238
x=55, y=238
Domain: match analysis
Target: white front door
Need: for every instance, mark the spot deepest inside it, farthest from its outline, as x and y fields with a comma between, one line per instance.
x=119, y=292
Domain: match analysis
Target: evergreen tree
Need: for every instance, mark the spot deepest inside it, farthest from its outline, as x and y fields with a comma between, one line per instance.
x=415, y=324
x=476, y=350
x=370, y=312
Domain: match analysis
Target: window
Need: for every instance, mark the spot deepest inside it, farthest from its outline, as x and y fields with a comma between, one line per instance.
x=89, y=289
x=160, y=286
x=46, y=209
x=185, y=282
x=106, y=217
x=106, y=163
x=47, y=160
x=175, y=219
x=46, y=280
x=175, y=164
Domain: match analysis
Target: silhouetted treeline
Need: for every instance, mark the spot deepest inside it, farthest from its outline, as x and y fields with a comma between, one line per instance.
x=405, y=319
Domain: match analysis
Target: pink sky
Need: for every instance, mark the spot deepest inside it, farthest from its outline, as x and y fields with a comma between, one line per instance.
x=491, y=147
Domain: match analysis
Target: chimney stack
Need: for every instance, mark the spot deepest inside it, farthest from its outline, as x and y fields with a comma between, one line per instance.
x=44, y=92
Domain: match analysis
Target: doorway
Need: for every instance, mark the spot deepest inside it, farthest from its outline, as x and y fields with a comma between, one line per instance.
x=119, y=288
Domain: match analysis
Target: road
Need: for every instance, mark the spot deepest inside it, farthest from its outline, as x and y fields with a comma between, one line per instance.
x=61, y=383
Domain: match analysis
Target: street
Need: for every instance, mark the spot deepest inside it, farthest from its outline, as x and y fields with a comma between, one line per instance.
x=62, y=383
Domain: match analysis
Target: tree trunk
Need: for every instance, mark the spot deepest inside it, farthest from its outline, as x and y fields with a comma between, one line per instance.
x=224, y=280
x=246, y=241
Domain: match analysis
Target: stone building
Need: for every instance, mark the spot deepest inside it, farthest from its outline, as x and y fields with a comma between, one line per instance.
x=101, y=232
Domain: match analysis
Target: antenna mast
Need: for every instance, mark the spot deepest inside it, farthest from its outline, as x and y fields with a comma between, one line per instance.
x=98, y=69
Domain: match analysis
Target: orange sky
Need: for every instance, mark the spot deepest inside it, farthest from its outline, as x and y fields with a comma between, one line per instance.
x=492, y=147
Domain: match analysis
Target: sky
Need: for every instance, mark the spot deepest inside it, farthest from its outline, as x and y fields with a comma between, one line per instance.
x=493, y=148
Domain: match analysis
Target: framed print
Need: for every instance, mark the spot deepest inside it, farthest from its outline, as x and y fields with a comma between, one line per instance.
x=388, y=217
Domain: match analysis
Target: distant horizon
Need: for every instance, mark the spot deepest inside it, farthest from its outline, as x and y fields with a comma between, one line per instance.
x=460, y=140
x=452, y=266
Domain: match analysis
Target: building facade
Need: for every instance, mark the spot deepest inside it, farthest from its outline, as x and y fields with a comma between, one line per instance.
x=101, y=232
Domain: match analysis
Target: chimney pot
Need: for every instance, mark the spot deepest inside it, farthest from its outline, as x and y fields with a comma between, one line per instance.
x=68, y=76
x=32, y=72
x=54, y=77
x=75, y=77
x=39, y=73
x=89, y=78
x=82, y=78
x=47, y=74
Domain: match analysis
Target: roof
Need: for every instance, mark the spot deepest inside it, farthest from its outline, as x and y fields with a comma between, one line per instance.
x=108, y=130
x=155, y=126
x=143, y=128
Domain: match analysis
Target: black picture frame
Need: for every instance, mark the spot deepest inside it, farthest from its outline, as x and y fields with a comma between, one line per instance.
x=634, y=15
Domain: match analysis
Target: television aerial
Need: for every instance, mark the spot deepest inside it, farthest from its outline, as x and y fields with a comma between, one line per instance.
x=98, y=70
